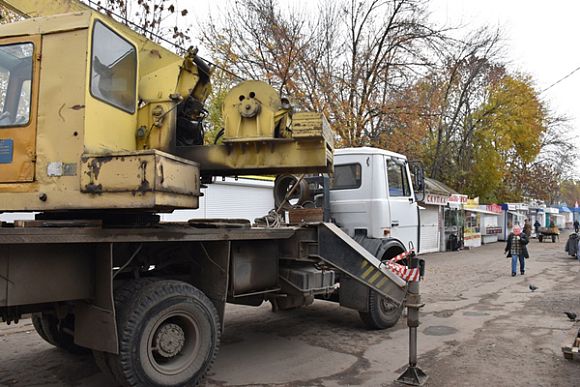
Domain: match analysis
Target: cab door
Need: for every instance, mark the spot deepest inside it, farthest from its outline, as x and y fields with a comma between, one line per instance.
x=404, y=215
x=19, y=68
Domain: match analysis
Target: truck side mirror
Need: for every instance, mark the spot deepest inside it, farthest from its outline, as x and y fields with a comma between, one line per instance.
x=418, y=179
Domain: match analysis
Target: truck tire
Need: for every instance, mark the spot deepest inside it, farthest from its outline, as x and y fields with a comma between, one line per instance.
x=382, y=313
x=37, y=324
x=57, y=332
x=168, y=336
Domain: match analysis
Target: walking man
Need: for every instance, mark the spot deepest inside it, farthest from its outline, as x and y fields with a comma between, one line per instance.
x=537, y=227
x=576, y=226
x=517, y=250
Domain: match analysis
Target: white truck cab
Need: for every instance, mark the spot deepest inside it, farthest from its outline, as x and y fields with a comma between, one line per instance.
x=372, y=196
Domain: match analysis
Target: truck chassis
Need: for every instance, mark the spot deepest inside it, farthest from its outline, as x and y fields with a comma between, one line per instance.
x=149, y=302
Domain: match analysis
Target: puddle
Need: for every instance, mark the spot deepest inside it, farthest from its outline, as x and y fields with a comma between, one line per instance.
x=475, y=314
x=443, y=313
x=439, y=330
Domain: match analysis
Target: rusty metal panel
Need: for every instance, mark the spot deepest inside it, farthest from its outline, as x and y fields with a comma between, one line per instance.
x=145, y=171
x=305, y=215
x=4, y=258
x=49, y=273
x=254, y=266
x=177, y=175
x=312, y=125
x=212, y=275
x=161, y=233
x=95, y=324
x=272, y=157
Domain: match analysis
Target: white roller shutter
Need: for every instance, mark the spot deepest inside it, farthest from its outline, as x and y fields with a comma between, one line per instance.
x=429, y=229
x=230, y=198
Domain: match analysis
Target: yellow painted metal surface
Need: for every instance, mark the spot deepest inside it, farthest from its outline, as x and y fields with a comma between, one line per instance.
x=311, y=125
x=253, y=110
x=156, y=126
x=145, y=171
x=107, y=128
x=271, y=158
x=22, y=138
x=50, y=24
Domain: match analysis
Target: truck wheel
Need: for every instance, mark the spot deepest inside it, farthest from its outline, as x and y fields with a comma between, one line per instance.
x=540, y=238
x=553, y=238
x=58, y=332
x=168, y=336
x=37, y=323
x=382, y=313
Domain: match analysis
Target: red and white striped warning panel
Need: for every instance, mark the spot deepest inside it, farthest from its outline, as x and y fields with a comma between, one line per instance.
x=402, y=271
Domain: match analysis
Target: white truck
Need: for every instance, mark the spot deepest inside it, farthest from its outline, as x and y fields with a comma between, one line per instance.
x=373, y=198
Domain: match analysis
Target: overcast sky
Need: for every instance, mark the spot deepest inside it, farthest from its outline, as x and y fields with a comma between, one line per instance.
x=541, y=39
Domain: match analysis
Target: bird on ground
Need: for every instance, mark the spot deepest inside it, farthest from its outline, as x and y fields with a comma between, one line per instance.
x=533, y=288
x=571, y=315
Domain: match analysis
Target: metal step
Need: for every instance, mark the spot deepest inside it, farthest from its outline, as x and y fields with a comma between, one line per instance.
x=342, y=252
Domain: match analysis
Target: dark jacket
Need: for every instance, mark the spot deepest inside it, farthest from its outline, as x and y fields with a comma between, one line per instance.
x=523, y=240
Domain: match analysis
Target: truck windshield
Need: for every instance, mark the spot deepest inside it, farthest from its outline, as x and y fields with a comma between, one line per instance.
x=113, y=69
x=15, y=84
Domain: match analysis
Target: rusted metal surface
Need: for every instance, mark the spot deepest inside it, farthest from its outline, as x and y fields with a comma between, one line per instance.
x=95, y=324
x=305, y=215
x=213, y=277
x=161, y=233
x=39, y=274
x=4, y=280
x=139, y=172
x=254, y=266
x=260, y=157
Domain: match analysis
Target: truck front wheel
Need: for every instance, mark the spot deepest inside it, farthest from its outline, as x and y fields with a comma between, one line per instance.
x=382, y=312
x=168, y=336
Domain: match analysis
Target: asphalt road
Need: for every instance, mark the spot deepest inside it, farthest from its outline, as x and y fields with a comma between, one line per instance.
x=480, y=327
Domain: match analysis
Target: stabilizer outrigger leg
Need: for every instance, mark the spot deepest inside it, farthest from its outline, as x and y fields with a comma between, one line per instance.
x=413, y=375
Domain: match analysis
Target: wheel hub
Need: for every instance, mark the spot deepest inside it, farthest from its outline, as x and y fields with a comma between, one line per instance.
x=169, y=340
x=387, y=305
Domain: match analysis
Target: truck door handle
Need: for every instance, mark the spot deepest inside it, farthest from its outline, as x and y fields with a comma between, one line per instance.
x=395, y=223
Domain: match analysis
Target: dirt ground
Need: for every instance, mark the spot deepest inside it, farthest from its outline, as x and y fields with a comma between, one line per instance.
x=480, y=327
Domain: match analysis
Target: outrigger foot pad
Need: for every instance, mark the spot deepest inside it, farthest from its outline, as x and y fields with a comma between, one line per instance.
x=413, y=376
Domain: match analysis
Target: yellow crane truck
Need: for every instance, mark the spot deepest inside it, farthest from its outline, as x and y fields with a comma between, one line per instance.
x=101, y=129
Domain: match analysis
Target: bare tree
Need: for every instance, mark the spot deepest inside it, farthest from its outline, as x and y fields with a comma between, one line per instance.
x=347, y=61
x=158, y=20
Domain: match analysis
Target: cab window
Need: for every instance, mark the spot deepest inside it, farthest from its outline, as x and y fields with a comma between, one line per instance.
x=398, y=178
x=113, y=69
x=15, y=84
x=347, y=176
